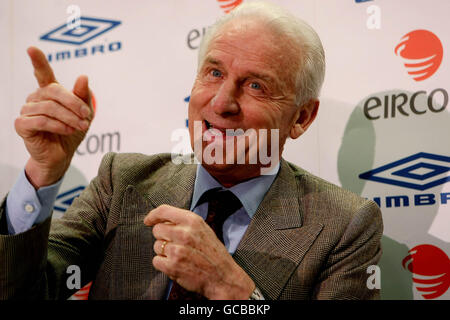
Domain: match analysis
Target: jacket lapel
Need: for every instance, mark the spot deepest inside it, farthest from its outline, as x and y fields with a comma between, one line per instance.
x=134, y=276
x=276, y=241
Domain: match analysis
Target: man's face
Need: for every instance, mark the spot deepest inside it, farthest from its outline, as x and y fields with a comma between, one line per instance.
x=246, y=81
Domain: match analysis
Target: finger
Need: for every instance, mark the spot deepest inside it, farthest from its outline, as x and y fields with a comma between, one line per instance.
x=28, y=126
x=33, y=97
x=161, y=263
x=175, y=266
x=164, y=231
x=64, y=97
x=177, y=234
x=173, y=263
x=161, y=247
x=42, y=70
x=166, y=213
x=81, y=90
x=52, y=109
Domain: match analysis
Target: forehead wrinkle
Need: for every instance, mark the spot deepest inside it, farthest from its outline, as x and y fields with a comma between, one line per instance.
x=213, y=61
x=252, y=64
x=243, y=32
x=272, y=53
x=246, y=72
x=239, y=45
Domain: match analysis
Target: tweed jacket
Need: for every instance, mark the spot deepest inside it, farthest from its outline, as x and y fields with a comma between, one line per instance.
x=308, y=239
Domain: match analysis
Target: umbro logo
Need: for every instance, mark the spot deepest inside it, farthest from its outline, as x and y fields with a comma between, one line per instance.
x=420, y=171
x=64, y=200
x=88, y=29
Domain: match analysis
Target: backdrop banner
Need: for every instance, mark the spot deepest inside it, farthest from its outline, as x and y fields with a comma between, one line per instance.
x=382, y=130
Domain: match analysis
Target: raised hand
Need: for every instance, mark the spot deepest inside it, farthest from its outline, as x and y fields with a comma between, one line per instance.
x=52, y=123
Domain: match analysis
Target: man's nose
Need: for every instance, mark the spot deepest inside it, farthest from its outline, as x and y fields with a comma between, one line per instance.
x=225, y=99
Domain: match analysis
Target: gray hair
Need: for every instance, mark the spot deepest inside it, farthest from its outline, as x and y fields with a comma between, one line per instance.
x=311, y=73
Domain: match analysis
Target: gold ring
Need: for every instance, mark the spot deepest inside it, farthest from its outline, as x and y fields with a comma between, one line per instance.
x=163, y=245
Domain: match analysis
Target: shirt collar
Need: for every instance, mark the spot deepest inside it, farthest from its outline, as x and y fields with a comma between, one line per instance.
x=250, y=192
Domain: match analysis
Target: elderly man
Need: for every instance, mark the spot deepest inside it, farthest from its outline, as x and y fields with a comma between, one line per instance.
x=149, y=228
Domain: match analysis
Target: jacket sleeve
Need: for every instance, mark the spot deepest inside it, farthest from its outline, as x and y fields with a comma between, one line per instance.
x=33, y=264
x=346, y=274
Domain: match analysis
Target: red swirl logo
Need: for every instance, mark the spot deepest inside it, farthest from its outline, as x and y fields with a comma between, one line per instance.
x=83, y=293
x=228, y=5
x=430, y=267
x=422, y=53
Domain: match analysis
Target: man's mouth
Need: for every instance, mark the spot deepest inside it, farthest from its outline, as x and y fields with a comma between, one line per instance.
x=224, y=131
x=209, y=126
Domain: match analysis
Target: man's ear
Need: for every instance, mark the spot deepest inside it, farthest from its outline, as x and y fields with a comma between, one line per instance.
x=304, y=116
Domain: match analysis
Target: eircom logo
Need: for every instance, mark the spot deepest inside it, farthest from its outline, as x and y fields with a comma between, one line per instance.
x=430, y=267
x=89, y=29
x=228, y=5
x=422, y=53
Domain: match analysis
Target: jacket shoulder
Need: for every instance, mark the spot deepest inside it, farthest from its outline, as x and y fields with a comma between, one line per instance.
x=328, y=201
x=133, y=168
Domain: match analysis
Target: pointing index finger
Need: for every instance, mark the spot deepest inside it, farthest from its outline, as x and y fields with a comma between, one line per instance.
x=42, y=70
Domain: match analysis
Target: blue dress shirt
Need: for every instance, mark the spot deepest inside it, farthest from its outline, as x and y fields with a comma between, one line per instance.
x=25, y=207
x=250, y=193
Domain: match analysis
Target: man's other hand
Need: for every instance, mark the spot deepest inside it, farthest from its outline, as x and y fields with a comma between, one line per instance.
x=52, y=123
x=194, y=257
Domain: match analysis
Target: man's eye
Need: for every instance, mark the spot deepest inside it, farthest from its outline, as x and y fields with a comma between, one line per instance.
x=216, y=73
x=255, y=85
